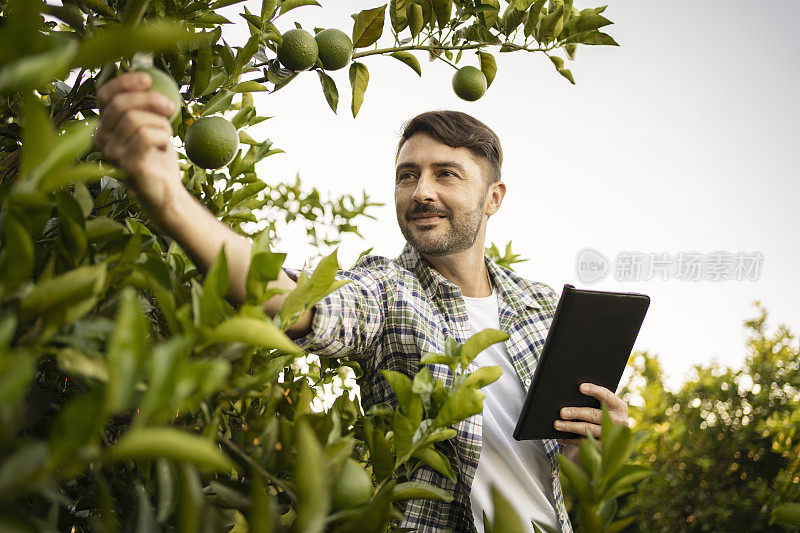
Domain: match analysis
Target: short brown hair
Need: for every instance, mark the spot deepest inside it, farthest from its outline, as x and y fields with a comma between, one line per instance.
x=458, y=130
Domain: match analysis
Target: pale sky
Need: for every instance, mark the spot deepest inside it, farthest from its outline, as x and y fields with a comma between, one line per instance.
x=683, y=139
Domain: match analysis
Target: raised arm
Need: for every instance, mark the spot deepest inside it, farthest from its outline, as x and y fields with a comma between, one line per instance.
x=135, y=135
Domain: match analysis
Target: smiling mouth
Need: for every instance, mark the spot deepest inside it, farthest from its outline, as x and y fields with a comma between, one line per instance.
x=429, y=219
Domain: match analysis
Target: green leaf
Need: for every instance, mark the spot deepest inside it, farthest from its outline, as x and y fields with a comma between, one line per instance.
x=577, y=479
x=79, y=173
x=409, y=59
x=788, y=513
x=397, y=14
x=23, y=469
x=436, y=460
x=16, y=255
x=264, y=267
x=403, y=437
x=593, y=37
x=191, y=500
x=288, y=5
x=590, y=458
x=425, y=491
x=100, y=229
x=164, y=365
x=69, y=290
x=268, y=9
x=380, y=451
x=438, y=358
x=38, y=136
x=76, y=364
x=219, y=102
x=506, y=519
x=254, y=331
x=72, y=223
x=443, y=10
x=368, y=26
x=201, y=73
x=465, y=402
x=329, y=90
x=584, y=23
x=126, y=352
x=551, y=25
x=215, y=286
x=622, y=482
x=534, y=15
x=618, y=525
x=415, y=18
x=16, y=374
x=310, y=290
x=617, y=444
x=78, y=424
x=33, y=71
x=483, y=376
x=249, y=87
x=488, y=66
x=311, y=478
x=118, y=41
x=479, y=342
x=401, y=386
x=167, y=481
x=170, y=443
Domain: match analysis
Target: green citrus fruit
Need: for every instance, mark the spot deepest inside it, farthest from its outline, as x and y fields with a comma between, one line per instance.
x=298, y=51
x=335, y=48
x=211, y=142
x=353, y=487
x=164, y=84
x=469, y=83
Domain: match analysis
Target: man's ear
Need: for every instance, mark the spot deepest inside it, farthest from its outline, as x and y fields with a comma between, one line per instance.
x=497, y=192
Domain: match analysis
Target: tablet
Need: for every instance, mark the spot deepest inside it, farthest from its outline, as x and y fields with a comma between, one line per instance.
x=590, y=340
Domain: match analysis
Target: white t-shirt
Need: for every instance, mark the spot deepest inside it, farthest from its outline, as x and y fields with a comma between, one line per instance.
x=520, y=469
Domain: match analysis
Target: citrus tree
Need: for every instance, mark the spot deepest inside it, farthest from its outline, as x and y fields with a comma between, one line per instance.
x=133, y=395
x=724, y=447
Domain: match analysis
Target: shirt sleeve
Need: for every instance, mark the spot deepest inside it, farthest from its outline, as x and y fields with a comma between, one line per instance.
x=350, y=320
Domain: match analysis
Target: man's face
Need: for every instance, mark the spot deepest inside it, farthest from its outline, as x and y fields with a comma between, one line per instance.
x=440, y=196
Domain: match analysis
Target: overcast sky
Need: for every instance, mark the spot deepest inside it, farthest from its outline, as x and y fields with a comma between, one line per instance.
x=683, y=139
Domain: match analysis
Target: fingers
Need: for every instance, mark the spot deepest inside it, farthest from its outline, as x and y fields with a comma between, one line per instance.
x=586, y=414
x=604, y=395
x=128, y=155
x=131, y=81
x=578, y=427
x=119, y=97
x=122, y=103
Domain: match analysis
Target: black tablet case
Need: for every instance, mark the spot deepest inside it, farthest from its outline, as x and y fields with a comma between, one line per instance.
x=590, y=340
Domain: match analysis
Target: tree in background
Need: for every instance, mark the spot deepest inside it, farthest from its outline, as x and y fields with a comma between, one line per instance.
x=725, y=446
x=132, y=394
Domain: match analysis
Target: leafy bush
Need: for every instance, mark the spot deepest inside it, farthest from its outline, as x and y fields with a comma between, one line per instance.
x=132, y=393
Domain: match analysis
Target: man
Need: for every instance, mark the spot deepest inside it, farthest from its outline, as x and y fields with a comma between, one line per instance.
x=447, y=185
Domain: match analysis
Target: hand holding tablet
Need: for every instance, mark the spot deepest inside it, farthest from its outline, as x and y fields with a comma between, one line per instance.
x=589, y=342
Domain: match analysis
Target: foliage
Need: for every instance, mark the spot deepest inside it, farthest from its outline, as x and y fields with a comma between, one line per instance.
x=725, y=446
x=132, y=393
x=605, y=473
x=507, y=259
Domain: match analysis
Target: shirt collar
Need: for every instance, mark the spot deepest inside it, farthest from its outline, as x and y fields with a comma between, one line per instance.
x=508, y=285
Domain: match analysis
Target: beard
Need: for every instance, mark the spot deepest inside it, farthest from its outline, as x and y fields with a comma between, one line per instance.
x=464, y=229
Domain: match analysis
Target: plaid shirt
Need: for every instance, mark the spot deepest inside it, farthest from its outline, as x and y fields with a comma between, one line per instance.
x=395, y=310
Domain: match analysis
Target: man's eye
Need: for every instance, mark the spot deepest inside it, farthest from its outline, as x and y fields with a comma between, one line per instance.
x=447, y=173
x=404, y=176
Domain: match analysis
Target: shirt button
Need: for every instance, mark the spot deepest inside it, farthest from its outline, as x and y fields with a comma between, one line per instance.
x=527, y=382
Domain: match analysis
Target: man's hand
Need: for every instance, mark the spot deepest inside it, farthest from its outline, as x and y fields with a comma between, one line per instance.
x=582, y=419
x=136, y=136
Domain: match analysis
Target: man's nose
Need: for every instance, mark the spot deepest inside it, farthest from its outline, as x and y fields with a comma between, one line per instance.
x=424, y=191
